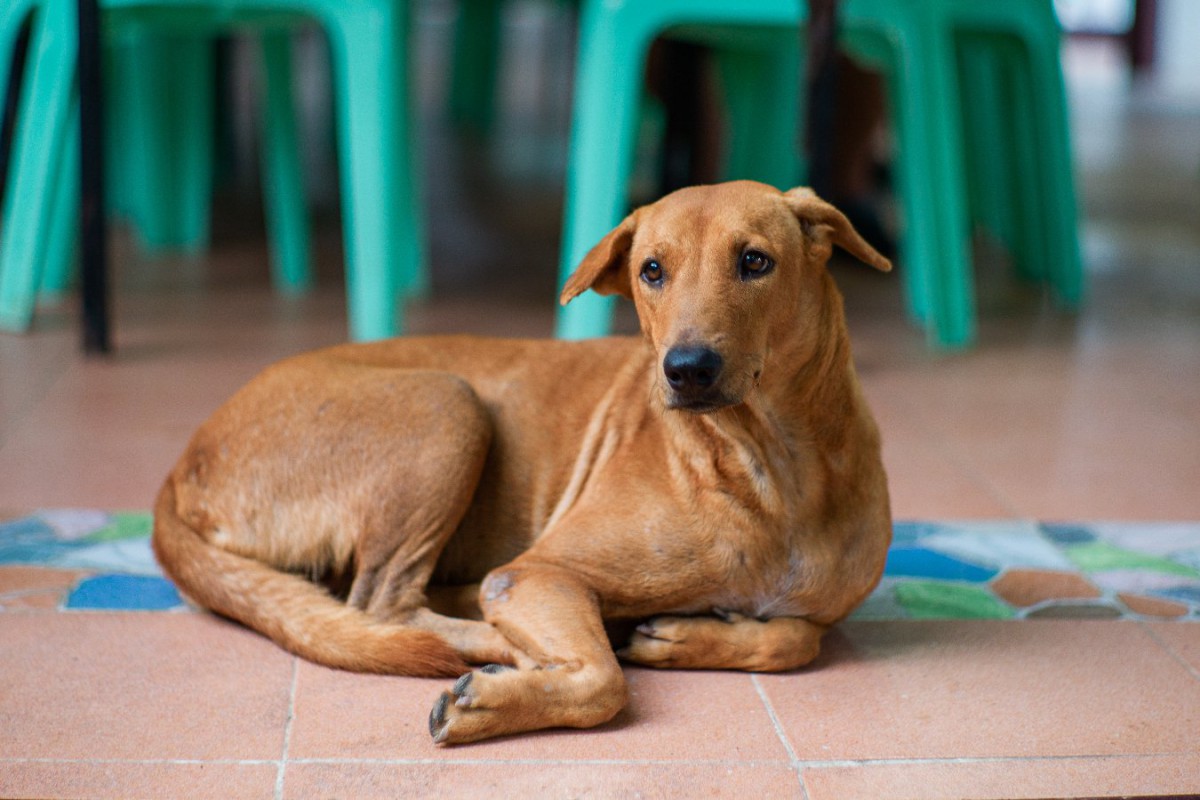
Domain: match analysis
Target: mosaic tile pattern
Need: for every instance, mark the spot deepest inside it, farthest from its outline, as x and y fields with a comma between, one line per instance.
x=111, y=550
x=1015, y=569
x=1007, y=569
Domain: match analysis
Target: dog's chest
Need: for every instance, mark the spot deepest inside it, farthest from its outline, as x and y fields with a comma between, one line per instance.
x=764, y=574
x=765, y=554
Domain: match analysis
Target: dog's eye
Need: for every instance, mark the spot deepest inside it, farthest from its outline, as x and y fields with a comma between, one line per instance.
x=652, y=272
x=754, y=264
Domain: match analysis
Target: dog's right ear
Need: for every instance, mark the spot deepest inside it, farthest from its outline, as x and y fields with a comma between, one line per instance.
x=605, y=269
x=816, y=214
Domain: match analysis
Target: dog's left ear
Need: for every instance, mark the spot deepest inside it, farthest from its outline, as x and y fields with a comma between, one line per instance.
x=813, y=211
x=605, y=269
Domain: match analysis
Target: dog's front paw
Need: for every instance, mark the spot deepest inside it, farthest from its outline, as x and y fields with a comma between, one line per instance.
x=726, y=640
x=466, y=712
x=683, y=642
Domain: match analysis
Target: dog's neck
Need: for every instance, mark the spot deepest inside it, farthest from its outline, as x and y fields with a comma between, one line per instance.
x=812, y=383
x=786, y=431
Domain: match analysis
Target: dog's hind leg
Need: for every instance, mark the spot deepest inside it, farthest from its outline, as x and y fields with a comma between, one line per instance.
x=404, y=532
x=321, y=466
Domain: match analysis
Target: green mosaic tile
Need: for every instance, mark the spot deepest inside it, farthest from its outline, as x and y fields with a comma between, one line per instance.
x=123, y=525
x=938, y=600
x=1101, y=556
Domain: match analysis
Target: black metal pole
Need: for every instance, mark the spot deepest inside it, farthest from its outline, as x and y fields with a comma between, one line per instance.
x=822, y=93
x=93, y=235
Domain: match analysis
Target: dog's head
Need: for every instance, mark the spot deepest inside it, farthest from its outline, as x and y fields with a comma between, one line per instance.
x=727, y=280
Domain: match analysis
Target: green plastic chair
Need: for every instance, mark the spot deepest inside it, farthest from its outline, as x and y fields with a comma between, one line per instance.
x=160, y=145
x=29, y=243
x=475, y=62
x=164, y=80
x=614, y=39
x=917, y=43
x=168, y=212
x=383, y=232
x=1018, y=137
x=160, y=154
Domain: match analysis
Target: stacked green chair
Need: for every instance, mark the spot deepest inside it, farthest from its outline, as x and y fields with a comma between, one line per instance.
x=32, y=250
x=917, y=43
x=475, y=63
x=384, y=239
x=1018, y=141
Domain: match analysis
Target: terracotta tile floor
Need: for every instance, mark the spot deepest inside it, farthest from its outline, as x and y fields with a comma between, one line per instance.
x=1052, y=416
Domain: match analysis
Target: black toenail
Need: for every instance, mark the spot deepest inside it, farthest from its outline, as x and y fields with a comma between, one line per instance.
x=438, y=715
x=460, y=685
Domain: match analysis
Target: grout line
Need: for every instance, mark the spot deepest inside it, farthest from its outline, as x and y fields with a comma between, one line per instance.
x=787, y=746
x=287, y=730
x=833, y=763
x=887, y=762
x=546, y=762
x=762, y=695
x=1170, y=650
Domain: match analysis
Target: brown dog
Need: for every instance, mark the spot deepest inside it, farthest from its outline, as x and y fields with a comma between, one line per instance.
x=717, y=479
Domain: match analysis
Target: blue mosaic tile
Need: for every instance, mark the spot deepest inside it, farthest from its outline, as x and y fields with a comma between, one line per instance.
x=30, y=540
x=911, y=531
x=1187, y=594
x=124, y=593
x=917, y=562
x=1068, y=534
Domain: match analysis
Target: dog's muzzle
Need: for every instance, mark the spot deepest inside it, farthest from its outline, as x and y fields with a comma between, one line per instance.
x=693, y=373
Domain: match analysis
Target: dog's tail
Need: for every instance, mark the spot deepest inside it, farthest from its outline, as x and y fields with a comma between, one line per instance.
x=296, y=614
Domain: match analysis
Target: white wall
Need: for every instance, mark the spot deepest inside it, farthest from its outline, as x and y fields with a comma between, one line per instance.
x=1178, y=57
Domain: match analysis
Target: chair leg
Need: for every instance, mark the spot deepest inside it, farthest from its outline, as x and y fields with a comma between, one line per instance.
x=283, y=184
x=934, y=248
x=951, y=322
x=194, y=107
x=14, y=42
x=1061, y=224
x=1030, y=249
x=603, y=137
x=474, y=66
x=62, y=237
x=38, y=145
x=985, y=137
x=1042, y=154
x=119, y=70
x=170, y=159
x=763, y=147
x=385, y=250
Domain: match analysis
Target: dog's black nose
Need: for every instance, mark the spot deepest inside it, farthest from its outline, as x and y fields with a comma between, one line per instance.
x=692, y=369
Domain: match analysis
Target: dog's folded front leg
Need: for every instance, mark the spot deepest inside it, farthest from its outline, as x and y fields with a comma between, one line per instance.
x=730, y=641
x=554, y=618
